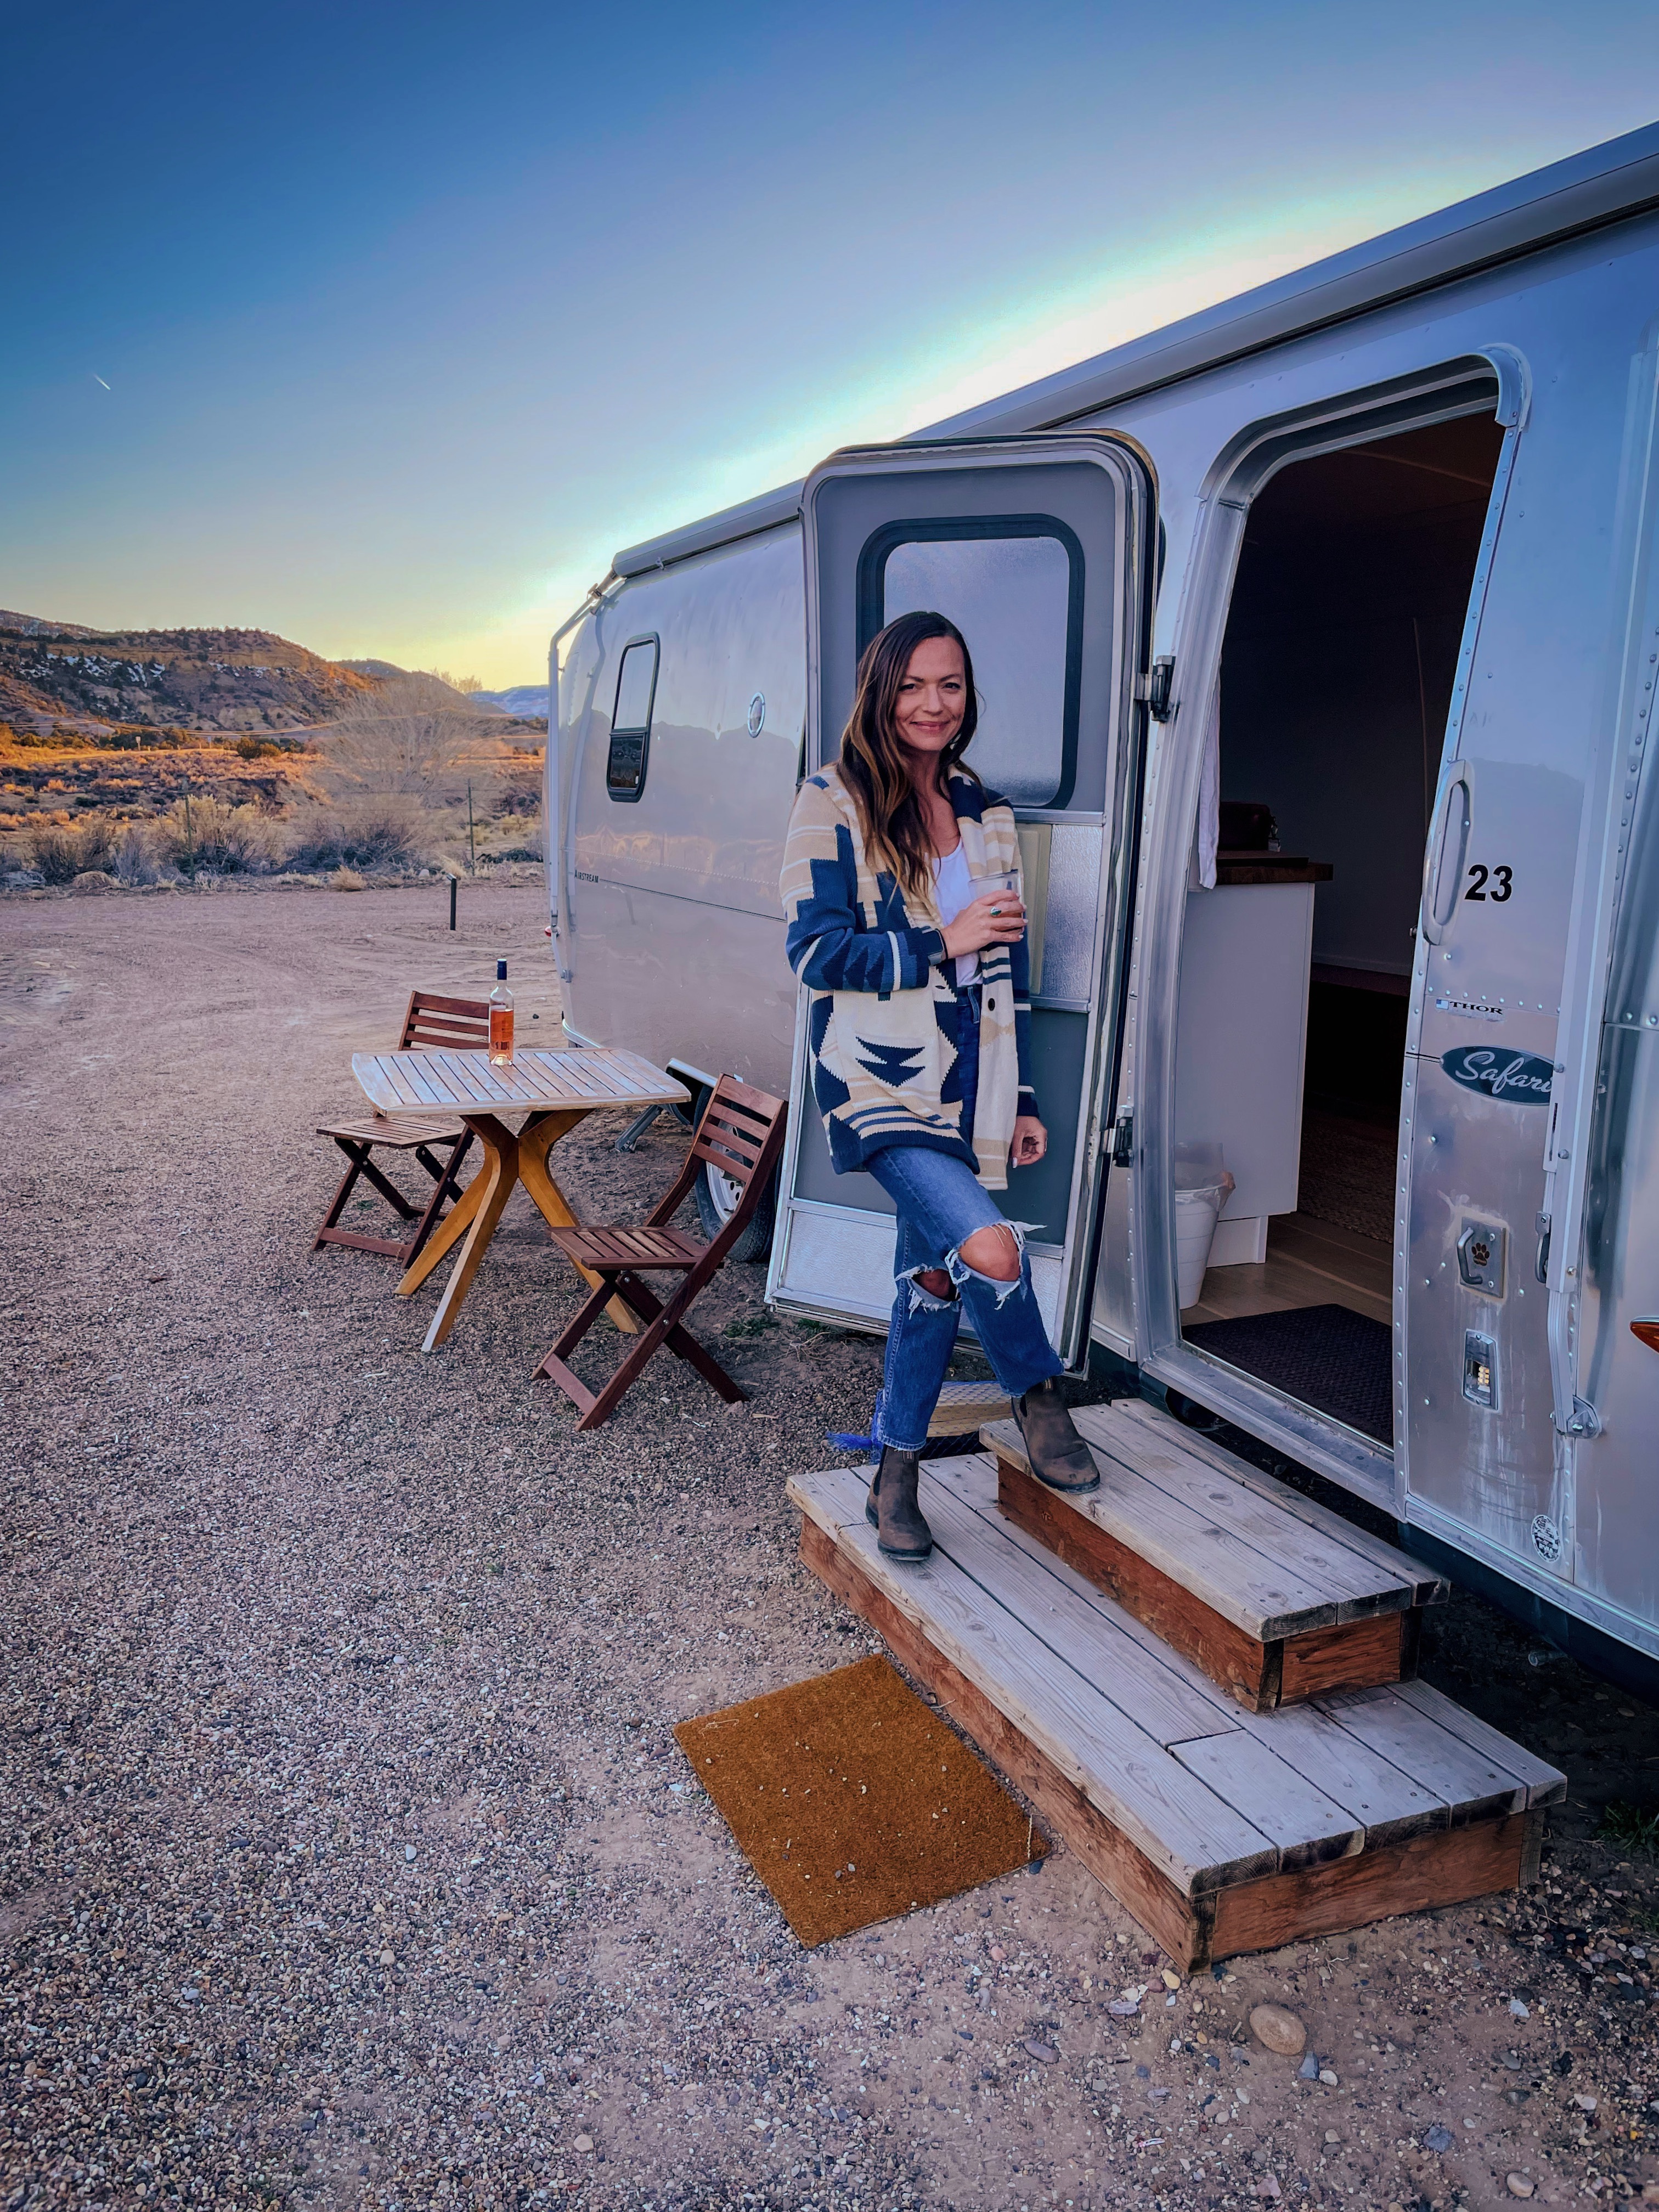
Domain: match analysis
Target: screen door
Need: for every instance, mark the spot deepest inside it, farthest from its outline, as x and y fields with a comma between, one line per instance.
x=1037, y=549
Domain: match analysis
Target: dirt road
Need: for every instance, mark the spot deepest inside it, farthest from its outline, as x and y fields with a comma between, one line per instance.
x=345, y=1855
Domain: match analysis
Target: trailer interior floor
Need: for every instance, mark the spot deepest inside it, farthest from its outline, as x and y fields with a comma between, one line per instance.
x=1308, y=1263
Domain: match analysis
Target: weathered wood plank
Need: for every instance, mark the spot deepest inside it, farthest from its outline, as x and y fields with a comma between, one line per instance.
x=1391, y=1760
x=1353, y=1772
x=1444, y=1867
x=1545, y=1784
x=1389, y=1562
x=1181, y=1618
x=1472, y=1784
x=1307, y=1826
x=1236, y=1579
x=1354, y=1654
x=835, y=1496
x=538, y=1080
x=1078, y=1633
x=1182, y=1828
x=1260, y=1913
x=976, y=1479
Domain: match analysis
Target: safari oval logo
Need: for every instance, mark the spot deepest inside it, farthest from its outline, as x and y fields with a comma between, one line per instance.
x=1521, y=1078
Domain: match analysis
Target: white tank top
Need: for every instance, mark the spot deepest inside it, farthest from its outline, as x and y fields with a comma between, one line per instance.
x=953, y=888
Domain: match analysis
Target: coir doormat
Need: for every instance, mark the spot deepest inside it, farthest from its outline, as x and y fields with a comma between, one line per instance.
x=853, y=1803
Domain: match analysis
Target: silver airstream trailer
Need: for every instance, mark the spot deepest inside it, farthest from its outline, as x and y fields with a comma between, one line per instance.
x=1317, y=639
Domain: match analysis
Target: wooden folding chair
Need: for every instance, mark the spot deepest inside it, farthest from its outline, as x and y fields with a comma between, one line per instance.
x=741, y=1132
x=432, y=1025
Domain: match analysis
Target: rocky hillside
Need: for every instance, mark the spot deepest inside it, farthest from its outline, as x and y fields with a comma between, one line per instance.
x=200, y=679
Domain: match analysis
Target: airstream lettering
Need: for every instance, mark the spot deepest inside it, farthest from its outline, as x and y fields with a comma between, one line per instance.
x=1317, y=640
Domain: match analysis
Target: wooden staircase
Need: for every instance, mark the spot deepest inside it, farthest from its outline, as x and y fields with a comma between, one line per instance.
x=1145, y=1665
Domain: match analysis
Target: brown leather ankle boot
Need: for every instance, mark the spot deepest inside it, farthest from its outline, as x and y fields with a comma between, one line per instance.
x=892, y=1512
x=1058, y=1455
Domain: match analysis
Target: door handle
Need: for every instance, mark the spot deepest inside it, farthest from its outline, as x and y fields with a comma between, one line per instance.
x=1435, y=924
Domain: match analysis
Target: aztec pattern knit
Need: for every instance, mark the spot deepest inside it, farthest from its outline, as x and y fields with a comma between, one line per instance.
x=882, y=1011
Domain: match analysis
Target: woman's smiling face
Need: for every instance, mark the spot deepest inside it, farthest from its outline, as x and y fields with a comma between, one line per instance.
x=932, y=696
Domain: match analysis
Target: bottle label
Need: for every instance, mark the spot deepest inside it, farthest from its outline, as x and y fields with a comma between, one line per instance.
x=500, y=1035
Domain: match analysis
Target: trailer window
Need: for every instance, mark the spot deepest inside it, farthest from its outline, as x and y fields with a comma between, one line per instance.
x=1013, y=587
x=630, y=722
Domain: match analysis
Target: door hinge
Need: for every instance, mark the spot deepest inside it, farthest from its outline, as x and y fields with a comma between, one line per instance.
x=1123, y=1141
x=1160, y=687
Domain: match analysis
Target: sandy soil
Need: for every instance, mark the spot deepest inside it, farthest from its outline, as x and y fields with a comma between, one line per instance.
x=347, y=1856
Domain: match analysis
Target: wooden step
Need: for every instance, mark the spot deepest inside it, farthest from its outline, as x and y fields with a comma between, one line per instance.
x=1277, y=1598
x=1221, y=1829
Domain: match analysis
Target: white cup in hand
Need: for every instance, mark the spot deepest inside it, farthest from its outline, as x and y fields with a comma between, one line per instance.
x=996, y=917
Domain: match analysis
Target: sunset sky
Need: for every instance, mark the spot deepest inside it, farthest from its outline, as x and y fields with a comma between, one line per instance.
x=384, y=326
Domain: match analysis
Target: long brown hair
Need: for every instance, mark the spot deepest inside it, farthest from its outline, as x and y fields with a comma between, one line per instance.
x=873, y=763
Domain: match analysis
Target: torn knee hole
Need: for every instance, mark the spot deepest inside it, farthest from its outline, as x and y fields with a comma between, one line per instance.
x=931, y=1289
x=992, y=1252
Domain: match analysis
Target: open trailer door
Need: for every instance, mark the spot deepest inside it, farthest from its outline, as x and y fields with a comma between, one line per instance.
x=1039, y=549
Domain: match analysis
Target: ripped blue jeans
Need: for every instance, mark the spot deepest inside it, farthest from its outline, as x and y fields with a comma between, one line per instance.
x=940, y=1204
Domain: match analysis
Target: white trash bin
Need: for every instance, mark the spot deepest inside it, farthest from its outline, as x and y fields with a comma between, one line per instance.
x=1202, y=1186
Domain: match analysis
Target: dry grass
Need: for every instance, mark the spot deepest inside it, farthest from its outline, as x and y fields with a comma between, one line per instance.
x=250, y=806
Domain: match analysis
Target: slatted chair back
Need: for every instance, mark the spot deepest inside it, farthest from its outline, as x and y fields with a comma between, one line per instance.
x=735, y=1126
x=434, y=1024
x=740, y=1131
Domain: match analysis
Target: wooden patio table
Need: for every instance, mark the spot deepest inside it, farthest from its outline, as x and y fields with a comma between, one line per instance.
x=554, y=1090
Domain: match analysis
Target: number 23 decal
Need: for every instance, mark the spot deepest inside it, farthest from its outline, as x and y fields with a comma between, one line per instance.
x=1479, y=878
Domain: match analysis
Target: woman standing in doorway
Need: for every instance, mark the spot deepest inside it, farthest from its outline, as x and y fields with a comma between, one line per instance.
x=906, y=923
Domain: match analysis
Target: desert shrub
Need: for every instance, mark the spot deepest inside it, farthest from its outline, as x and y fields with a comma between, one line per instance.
x=205, y=833
x=62, y=854
x=257, y=749
x=134, y=862
x=522, y=792
x=375, y=834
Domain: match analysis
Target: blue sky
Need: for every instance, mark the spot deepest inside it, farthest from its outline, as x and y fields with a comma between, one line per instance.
x=410, y=316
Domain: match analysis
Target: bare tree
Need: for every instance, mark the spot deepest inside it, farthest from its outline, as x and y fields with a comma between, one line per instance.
x=404, y=740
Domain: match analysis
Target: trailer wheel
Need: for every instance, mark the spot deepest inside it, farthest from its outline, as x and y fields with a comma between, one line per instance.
x=717, y=1201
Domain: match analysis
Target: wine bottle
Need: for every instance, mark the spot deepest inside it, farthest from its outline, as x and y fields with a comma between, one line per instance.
x=500, y=1020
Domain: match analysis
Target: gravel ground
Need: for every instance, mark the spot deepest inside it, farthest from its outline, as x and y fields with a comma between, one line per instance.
x=345, y=1855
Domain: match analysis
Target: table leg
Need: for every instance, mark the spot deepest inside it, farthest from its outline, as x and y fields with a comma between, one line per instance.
x=536, y=1140
x=447, y=1235
x=497, y=1176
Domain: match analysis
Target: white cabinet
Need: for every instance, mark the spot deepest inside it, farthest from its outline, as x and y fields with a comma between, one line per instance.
x=1241, y=1040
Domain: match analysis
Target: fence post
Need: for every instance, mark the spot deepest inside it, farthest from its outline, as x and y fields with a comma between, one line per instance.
x=453, y=883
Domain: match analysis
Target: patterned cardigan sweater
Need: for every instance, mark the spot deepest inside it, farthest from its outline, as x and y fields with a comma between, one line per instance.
x=882, y=1010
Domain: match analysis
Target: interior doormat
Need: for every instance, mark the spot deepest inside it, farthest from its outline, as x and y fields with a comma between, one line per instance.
x=853, y=1803
x=1327, y=1357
